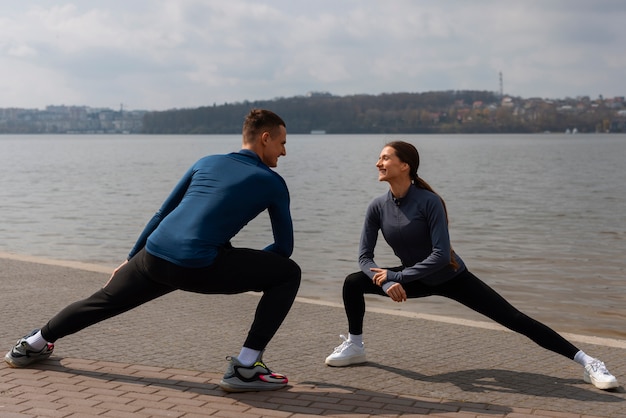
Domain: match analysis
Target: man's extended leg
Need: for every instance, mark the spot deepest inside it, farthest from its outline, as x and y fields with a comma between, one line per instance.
x=129, y=288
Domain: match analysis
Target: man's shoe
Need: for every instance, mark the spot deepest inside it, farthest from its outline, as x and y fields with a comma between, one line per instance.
x=346, y=354
x=22, y=354
x=258, y=377
x=597, y=374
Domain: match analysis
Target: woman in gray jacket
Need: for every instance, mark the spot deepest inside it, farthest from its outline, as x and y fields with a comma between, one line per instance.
x=413, y=221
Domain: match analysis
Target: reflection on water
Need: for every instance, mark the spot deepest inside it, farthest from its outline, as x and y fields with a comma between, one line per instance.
x=540, y=218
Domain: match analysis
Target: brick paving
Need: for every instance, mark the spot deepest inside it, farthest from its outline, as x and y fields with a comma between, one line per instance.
x=164, y=359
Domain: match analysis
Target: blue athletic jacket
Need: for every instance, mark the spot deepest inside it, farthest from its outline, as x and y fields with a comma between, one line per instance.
x=212, y=202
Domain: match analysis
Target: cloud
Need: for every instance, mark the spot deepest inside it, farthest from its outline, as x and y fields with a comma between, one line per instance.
x=188, y=53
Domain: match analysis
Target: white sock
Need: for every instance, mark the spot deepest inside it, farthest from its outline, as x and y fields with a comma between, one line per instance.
x=36, y=341
x=248, y=356
x=582, y=358
x=356, y=339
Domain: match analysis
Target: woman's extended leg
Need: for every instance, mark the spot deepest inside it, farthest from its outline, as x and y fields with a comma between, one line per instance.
x=478, y=296
x=475, y=294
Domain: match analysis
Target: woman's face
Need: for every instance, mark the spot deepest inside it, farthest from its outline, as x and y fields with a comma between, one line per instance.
x=390, y=167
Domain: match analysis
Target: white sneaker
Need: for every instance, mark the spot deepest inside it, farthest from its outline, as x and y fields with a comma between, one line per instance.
x=597, y=374
x=346, y=354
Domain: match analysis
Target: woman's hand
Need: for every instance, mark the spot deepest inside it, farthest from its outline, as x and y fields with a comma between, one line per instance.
x=396, y=293
x=380, y=276
x=114, y=272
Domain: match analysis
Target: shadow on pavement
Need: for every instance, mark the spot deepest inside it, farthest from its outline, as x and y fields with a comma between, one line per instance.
x=311, y=398
x=507, y=381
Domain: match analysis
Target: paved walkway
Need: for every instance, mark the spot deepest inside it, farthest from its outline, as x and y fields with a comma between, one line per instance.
x=165, y=359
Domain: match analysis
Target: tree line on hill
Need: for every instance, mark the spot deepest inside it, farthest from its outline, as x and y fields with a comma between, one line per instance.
x=402, y=113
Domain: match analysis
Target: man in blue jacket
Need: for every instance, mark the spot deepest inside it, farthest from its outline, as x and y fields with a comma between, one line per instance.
x=186, y=246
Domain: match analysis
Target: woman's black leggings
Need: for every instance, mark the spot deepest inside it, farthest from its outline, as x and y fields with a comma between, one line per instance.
x=466, y=289
x=146, y=277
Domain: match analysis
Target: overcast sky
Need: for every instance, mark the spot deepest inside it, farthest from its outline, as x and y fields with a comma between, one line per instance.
x=157, y=55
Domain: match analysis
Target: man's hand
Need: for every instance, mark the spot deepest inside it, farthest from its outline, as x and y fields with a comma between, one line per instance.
x=115, y=271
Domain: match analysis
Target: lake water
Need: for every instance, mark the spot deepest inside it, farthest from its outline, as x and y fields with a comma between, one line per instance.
x=541, y=218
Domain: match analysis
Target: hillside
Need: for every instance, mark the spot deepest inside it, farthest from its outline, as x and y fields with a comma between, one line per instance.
x=431, y=112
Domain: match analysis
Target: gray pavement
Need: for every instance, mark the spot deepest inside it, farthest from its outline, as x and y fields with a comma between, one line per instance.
x=166, y=357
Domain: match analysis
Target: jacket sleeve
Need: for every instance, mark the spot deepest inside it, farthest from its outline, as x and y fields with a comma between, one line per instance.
x=369, y=237
x=282, y=225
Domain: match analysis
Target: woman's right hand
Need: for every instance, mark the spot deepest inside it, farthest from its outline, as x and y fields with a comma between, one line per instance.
x=396, y=293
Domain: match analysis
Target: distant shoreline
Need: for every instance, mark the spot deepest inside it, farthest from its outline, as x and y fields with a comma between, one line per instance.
x=443, y=112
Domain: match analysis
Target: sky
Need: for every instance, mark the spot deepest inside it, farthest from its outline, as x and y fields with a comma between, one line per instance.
x=160, y=55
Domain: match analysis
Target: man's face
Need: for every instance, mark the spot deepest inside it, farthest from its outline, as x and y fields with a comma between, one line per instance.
x=274, y=146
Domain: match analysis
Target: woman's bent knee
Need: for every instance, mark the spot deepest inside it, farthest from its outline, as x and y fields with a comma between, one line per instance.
x=355, y=281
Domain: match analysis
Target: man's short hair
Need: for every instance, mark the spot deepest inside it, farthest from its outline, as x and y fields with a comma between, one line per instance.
x=259, y=121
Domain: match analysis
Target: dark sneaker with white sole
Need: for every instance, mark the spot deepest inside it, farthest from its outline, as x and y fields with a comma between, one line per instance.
x=258, y=377
x=22, y=354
